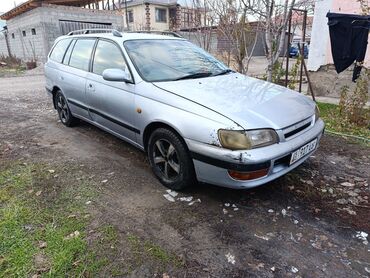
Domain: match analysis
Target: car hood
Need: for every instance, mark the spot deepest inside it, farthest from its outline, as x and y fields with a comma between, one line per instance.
x=250, y=102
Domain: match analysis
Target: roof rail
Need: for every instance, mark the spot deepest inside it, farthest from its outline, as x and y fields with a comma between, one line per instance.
x=94, y=31
x=166, y=33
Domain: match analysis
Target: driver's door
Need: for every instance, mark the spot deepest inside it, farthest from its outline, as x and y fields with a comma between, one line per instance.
x=111, y=103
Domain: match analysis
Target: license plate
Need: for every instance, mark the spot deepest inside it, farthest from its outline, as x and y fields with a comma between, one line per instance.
x=303, y=151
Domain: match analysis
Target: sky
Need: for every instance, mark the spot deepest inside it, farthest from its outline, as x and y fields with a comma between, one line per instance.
x=6, y=5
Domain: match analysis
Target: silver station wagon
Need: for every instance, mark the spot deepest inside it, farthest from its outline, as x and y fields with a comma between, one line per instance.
x=195, y=118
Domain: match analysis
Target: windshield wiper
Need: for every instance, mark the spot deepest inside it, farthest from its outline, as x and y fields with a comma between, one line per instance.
x=223, y=72
x=195, y=75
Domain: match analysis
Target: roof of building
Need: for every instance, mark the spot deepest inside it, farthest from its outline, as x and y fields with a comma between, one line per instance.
x=169, y=3
x=31, y=4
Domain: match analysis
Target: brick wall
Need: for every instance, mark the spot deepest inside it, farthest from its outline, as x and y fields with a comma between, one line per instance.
x=45, y=21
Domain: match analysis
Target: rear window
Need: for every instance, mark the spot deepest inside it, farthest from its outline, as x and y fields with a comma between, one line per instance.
x=81, y=54
x=59, y=49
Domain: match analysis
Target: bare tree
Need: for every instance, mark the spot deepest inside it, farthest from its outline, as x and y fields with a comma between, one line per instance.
x=233, y=25
x=273, y=16
x=199, y=22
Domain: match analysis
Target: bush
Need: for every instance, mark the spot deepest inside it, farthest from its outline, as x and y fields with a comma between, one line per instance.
x=11, y=61
x=352, y=105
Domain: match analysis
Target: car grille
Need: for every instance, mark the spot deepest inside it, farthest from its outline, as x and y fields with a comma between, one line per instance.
x=297, y=128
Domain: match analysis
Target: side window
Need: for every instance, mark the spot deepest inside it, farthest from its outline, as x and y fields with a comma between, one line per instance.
x=107, y=56
x=59, y=49
x=67, y=57
x=81, y=54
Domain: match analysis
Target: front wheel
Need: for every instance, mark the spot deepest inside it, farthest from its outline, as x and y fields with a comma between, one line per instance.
x=170, y=159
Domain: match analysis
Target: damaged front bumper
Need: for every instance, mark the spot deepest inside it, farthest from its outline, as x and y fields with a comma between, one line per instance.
x=214, y=164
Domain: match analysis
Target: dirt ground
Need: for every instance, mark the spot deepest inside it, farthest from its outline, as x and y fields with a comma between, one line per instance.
x=305, y=224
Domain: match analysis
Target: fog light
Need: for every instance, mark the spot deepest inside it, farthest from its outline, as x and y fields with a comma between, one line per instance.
x=248, y=175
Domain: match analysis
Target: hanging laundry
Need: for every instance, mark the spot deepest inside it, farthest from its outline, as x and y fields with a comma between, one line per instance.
x=348, y=36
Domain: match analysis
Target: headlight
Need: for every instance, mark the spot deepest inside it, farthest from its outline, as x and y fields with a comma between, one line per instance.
x=317, y=113
x=249, y=139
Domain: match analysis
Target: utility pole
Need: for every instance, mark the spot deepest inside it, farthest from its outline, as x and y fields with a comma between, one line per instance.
x=126, y=12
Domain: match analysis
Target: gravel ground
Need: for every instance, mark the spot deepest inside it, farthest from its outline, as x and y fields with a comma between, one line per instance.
x=312, y=222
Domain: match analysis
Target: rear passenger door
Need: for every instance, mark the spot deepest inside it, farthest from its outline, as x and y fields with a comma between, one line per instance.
x=78, y=57
x=111, y=103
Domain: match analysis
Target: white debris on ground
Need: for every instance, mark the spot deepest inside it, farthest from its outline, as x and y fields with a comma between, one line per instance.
x=347, y=184
x=283, y=212
x=230, y=258
x=231, y=206
x=186, y=199
x=262, y=237
x=363, y=237
x=195, y=201
x=171, y=195
x=294, y=269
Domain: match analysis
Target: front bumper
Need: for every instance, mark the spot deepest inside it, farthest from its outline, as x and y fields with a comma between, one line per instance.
x=212, y=162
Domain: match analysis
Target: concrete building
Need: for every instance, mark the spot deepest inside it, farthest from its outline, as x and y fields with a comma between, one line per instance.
x=162, y=14
x=32, y=27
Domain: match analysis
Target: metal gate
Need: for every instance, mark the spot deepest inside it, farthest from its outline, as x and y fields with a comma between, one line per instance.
x=67, y=26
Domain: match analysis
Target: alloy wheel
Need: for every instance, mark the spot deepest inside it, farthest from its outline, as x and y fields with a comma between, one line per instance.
x=62, y=108
x=166, y=159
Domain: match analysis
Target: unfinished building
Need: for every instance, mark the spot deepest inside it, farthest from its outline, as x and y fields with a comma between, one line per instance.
x=32, y=27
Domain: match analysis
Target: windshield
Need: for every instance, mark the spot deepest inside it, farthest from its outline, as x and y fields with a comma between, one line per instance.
x=170, y=60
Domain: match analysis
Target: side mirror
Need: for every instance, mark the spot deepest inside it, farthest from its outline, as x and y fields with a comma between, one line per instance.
x=116, y=75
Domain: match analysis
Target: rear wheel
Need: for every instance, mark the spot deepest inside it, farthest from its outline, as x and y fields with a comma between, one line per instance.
x=64, y=112
x=170, y=159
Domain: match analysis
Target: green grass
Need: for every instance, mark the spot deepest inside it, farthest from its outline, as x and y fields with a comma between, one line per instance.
x=334, y=121
x=27, y=219
x=5, y=71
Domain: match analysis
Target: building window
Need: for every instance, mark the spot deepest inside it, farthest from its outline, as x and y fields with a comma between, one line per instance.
x=23, y=33
x=33, y=31
x=13, y=37
x=130, y=15
x=160, y=15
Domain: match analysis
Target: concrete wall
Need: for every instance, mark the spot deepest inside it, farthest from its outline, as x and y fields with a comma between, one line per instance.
x=45, y=21
x=320, y=50
x=3, y=49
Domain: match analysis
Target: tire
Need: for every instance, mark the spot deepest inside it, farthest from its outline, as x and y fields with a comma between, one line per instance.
x=170, y=160
x=63, y=110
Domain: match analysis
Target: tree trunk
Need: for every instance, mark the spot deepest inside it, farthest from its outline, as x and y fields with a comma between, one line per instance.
x=240, y=66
